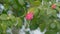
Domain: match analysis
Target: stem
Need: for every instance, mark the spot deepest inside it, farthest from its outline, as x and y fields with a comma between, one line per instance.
x=28, y=24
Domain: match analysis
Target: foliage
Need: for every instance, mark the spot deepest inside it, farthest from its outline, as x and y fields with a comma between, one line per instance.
x=44, y=16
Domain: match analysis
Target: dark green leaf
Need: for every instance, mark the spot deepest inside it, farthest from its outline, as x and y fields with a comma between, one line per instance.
x=42, y=27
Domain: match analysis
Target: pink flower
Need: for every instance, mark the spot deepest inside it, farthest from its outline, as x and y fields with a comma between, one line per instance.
x=29, y=16
x=53, y=6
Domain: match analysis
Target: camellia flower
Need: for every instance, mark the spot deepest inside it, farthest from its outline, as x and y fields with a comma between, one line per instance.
x=29, y=16
x=53, y=6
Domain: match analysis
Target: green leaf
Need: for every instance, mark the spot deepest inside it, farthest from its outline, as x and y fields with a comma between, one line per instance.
x=19, y=21
x=51, y=12
x=27, y=32
x=12, y=17
x=42, y=26
x=34, y=10
x=21, y=12
x=46, y=0
x=53, y=25
x=21, y=2
x=30, y=1
x=36, y=3
x=15, y=6
x=58, y=3
x=9, y=23
x=3, y=17
x=58, y=26
x=50, y=32
x=3, y=26
x=34, y=24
